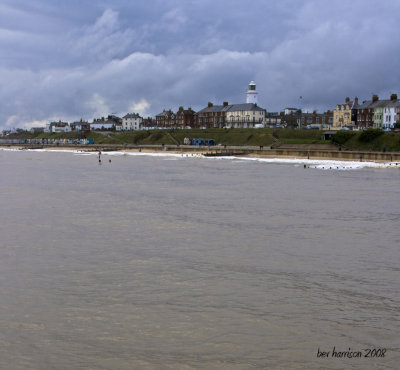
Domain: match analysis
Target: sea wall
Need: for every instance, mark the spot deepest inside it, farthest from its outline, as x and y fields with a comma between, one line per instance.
x=335, y=155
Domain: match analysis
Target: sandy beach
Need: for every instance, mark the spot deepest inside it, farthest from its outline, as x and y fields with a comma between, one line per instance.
x=298, y=151
x=319, y=159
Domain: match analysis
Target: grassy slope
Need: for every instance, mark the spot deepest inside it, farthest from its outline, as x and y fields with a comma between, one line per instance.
x=390, y=140
x=291, y=136
x=255, y=137
x=228, y=136
x=220, y=136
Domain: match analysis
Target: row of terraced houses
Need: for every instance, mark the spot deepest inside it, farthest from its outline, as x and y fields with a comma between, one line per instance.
x=247, y=115
x=374, y=113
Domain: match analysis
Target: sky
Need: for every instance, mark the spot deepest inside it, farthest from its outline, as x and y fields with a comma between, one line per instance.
x=72, y=60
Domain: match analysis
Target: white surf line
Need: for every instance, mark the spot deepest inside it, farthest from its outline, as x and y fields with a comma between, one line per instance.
x=154, y=154
x=310, y=163
x=322, y=164
x=325, y=164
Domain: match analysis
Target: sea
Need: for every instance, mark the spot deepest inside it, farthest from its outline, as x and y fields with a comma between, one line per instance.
x=162, y=261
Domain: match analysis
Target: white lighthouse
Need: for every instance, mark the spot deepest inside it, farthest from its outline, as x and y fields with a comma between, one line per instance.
x=251, y=96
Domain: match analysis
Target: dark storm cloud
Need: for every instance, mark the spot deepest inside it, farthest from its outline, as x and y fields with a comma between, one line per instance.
x=71, y=60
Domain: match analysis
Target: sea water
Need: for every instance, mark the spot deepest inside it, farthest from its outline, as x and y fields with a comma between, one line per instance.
x=180, y=262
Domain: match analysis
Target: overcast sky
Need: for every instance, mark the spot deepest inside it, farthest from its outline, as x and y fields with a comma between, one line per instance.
x=88, y=58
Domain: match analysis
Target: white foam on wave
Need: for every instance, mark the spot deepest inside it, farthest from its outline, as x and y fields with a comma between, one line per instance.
x=166, y=155
x=320, y=164
x=10, y=149
x=324, y=164
x=57, y=151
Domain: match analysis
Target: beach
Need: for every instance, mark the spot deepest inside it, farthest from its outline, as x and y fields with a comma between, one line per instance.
x=309, y=157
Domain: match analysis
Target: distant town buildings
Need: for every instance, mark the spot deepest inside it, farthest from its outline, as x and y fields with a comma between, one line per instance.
x=391, y=112
x=342, y=114
x=349, y=115
x=103, y=125
x=131, y=122
x=185, y=118
x=273, y=119
x=246, y=115
x=36, y=130
x=58, y=127
x=80, y=126
x=374, y=113
x=288, y=111
x=317, y=120
x=165, y=119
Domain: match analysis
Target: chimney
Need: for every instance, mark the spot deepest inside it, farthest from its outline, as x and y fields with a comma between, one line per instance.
x=210, y=105
x=225, y=103
x=356, y=100
x=375, y=98
x=347, y=99
x=393, y=97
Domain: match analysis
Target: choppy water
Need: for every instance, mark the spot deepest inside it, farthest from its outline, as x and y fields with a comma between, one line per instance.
x=163, y=263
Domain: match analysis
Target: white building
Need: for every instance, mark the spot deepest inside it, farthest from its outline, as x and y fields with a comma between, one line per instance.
x=102, y=125
x=244, y=115
x=80, y=126
x=390, y=112
x=131, y=122
x=290, y=111
x=59, y=127
x=251, y=96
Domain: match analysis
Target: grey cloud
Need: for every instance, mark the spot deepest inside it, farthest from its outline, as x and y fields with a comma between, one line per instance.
x=82, y=61
x=102, y=41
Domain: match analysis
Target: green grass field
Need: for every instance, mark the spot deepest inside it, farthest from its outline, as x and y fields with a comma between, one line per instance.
x=372, y=140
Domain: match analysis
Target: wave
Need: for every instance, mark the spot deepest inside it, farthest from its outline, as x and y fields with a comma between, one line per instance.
x=321, y=164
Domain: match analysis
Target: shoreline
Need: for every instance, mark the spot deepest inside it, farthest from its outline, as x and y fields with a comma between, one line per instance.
x=222, y=151
x=309, y=158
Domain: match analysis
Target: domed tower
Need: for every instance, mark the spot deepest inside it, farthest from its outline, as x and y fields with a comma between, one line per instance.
x=251, y=96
